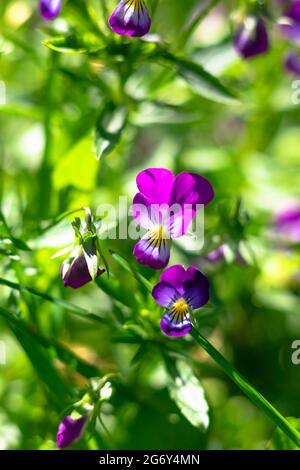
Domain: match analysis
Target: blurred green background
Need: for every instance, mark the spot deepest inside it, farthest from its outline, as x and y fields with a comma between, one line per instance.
x=51, y=102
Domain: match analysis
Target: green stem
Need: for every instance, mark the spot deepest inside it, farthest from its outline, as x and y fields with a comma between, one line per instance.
x=195, y=21
x=244, y=385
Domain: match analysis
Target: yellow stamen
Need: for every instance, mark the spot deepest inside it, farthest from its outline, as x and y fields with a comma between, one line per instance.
x=180, y=309
x=157, y=237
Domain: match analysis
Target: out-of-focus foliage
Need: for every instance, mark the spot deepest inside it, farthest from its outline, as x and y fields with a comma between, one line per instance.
x=82, y=111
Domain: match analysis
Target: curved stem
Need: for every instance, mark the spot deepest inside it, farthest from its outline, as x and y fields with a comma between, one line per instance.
x=247, y=388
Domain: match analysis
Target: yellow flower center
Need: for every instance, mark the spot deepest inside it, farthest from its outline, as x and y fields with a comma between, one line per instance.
x=180, y=309
x=158, y=236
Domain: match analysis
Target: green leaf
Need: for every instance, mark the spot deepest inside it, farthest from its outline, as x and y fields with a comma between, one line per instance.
x=79, y=311
x=280, y=441
x=124, y=263
x=202, y=82
x=6, y=232
x=74, y=44
x=40, y=360
x=109, y=128
x=188, y=394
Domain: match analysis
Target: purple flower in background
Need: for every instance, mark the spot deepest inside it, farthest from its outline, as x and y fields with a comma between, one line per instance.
x=130, y=18
x=180, y=291
x=216, y=255
x=251, y=37
x=69, y=431
x=165, y=207
x=50, y=9
x=287, y=223
x=225, y=252
x=292, y=63
x=290, y=23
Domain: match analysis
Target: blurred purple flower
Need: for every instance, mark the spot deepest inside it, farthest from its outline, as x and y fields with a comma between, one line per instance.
x=69, y=431
x=180, y=291
x=165, y=207
x=225, y=252
x=251, y=37
x=290, y=23
x=292, y=63
x=287, y=223
x=50, y=9
x=130, y=18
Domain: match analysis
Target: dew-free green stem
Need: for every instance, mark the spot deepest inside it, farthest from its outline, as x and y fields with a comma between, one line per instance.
x=248, y=389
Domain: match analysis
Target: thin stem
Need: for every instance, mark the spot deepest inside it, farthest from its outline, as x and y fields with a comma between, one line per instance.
x=195, y=21
x=248, y=389
x=104, y=8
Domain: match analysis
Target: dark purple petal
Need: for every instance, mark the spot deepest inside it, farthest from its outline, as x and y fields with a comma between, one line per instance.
x=290, y=23
x=292, y=63
x=165, y=294
x=175, y=276
x=69, y=431
x=251, y=38
x=50, y=9
x=196, y=294
x=156, y=185
x=191, y=189
x=154, y=255
x=172, y=327
x=78, y=274
x=130, y=18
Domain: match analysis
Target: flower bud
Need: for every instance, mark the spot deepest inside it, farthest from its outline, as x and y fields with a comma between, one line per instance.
x=70, y=431
x=50, y=9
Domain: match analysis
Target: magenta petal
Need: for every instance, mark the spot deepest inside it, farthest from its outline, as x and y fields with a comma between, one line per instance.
x=179, y=222
x=165, y=294
x=171, y=327
x=291, y=29
x=191, y=189
x=130, y=18
x=150, y=255
x=156, y=185
x=141, y=211
x=69, y=431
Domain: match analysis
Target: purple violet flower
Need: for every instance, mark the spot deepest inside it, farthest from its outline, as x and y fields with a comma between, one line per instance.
x=290, y=23
x=50, y=9
x=165, y=207
x=130, y=18
x=287, y=223
x=75, y=272
x=292, y=63
x=180, y=291
x=69, y=431
x=251, y=37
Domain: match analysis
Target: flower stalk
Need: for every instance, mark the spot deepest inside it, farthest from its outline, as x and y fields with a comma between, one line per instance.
x=256, y=397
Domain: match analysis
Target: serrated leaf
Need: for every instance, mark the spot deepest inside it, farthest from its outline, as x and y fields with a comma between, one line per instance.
x=188, y=394
x=109, y=127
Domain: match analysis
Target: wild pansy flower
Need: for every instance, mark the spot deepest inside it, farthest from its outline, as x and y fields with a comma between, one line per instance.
x=287, y=223
x=82, y=264
x=50, y=9
x=180, y=291
x=69, y=431
x=290, y=23
x=130, y=18
x=165, y=206
x=251, y=37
